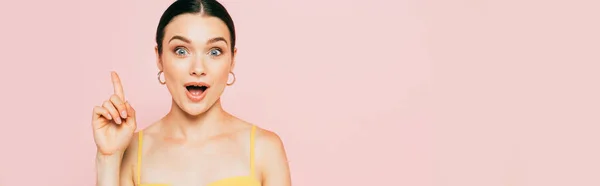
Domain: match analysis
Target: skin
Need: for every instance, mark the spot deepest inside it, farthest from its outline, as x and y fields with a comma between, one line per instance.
x=196, y=143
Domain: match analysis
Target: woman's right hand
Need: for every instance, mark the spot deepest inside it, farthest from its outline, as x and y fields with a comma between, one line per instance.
x=113, y=122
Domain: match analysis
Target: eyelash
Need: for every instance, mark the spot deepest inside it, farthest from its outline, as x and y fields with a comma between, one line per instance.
x=212, y=49
x=217, y=49
x=179, y=48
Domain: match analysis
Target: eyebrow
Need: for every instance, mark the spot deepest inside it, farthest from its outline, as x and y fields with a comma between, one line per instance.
x=212, y=40
x=180, y=38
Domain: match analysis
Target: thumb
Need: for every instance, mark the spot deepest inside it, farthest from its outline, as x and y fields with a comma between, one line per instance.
x=130, y=120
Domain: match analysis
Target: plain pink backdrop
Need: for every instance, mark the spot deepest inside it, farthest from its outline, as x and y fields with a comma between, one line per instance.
x=382, y=92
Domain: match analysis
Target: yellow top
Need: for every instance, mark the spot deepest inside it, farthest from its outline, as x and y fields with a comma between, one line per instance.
x=249, y=180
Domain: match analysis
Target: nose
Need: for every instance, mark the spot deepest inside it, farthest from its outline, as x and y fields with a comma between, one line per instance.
x=197, y=67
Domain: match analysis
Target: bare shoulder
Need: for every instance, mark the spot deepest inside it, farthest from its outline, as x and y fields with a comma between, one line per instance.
x=129, y=162
x=271, y=158
x=269, y=147
x=132, y=148
x=265, y=140
x=130, y=158
x=268, y=141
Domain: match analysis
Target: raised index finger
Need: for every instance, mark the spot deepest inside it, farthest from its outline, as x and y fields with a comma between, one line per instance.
x=117, y=85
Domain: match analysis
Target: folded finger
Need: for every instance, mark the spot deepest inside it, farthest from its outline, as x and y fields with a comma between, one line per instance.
x=101, y=112
x=113, y=111
x=130, y=110
x=120, y=105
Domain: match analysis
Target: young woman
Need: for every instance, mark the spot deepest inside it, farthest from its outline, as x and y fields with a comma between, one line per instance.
x=197, y=142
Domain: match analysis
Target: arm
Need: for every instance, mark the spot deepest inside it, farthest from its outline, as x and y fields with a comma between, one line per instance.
x=273, y=159
x=117, y=170
x=113, y=130
x=126, y=176
x=107, y=169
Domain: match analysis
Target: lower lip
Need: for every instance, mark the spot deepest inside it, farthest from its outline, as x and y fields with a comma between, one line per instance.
x=195, y=98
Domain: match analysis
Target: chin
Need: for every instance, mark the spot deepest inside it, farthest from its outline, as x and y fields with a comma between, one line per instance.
x=195, y=109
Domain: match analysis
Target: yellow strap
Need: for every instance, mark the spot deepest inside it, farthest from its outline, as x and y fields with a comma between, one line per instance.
x=252, y=150
x=139, y=157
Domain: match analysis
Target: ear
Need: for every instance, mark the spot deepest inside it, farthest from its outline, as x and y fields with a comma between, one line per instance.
x=158, y=61
x=233, y=59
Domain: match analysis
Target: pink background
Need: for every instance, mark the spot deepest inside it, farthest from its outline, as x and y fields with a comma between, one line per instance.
x=403, y=92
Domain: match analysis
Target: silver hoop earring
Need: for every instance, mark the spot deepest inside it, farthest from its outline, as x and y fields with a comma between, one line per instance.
x=159, y=80
x=229, y=84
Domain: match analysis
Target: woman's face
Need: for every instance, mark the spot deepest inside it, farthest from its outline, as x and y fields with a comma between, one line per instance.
x=196, y=60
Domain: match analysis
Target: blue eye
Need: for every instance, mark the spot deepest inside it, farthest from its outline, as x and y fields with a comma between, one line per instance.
x=215, y=52
x=181, y=51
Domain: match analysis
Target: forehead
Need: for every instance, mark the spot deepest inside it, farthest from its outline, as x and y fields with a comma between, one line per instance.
x=198, y=28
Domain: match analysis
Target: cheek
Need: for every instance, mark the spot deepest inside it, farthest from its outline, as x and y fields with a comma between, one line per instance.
x=174, y=70
x=219, y=71
x=223, y=76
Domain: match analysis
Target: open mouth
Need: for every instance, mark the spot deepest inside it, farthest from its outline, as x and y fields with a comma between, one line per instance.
x=196, y=90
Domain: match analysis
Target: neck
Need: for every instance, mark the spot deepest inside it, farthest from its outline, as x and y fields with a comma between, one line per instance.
x=180, y=124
